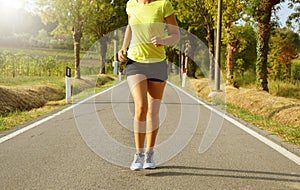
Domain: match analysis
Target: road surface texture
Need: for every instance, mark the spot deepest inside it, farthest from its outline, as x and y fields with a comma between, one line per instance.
x=61, y=152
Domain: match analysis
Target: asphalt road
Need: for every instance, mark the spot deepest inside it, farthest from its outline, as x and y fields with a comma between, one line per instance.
x=90, y=146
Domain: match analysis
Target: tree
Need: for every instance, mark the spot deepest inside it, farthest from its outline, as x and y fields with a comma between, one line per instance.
x=231, y=13
x=207, y=19
x=261, y=12
x=70, y=16
x=263, y=18
x=283, y=49
x=245, y=55
x=106, y=18
x=188, y=14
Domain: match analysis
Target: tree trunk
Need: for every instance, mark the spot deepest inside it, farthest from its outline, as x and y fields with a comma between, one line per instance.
x=191, y=65
x=103, y=50
x=13, y=69
x=77, y=59
x=262, y=56
x=77, y=34
x=264, y=29
x=229, y=65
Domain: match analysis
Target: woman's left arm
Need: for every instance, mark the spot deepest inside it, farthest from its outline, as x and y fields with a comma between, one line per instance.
x=173, y=36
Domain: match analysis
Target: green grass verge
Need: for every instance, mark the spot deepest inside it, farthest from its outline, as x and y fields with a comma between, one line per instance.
x=18, y=117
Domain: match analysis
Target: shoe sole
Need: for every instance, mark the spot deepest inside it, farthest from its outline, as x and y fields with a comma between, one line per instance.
x=136, y=169
x=149, y=167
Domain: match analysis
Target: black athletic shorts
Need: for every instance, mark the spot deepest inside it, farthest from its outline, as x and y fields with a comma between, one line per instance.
x=157, y=71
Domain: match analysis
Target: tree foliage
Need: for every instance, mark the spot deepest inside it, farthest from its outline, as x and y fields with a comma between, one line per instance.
x=261, y=12
x=92, y=18
x=283, y=49
x=205, y=22
x=232, y=10
x=197, y=17
x=71, y=17
x=107, y=17
x=294, y=17
x=244, y=52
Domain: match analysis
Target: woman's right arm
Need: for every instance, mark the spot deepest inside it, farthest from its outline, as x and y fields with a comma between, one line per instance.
x=126, y=42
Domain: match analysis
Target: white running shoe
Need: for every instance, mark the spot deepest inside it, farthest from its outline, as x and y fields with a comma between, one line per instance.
x=138, y=161
x=149, y=160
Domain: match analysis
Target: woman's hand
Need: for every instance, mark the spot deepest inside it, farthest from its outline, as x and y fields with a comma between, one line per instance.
x=157, y=41
x=122, y=55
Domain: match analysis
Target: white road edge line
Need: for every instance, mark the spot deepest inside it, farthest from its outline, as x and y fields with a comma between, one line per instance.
x=33, y=125
x=261, y=138
x=251, y=132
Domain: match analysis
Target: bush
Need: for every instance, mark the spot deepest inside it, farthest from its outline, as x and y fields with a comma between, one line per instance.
x=295, y=70
x=247, y=78
x=285, y=88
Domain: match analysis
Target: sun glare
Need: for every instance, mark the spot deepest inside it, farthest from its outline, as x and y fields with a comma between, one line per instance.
x=10, y=13
x=11, y=4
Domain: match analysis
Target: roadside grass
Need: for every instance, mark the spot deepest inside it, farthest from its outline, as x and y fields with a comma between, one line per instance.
x=254, y=107
x=289, y=89
x=86, y=88
x=20, y=117
x=82, y=88
x=288, y=133
x=285, y=88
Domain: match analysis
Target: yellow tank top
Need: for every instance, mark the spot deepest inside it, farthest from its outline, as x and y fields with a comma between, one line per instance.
x=146, y=21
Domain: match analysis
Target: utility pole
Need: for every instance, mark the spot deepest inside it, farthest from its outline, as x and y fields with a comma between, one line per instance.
x=218, y=47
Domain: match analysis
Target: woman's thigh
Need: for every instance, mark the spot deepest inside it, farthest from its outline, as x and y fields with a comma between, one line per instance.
x=138, y=86
x=155, y=89
x=155, y=94
x=146, y=93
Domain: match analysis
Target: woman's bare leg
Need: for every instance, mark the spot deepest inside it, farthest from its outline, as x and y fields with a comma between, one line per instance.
x=155, y=93
x=138, y=87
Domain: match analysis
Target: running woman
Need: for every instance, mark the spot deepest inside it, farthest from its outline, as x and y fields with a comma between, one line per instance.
x=146, y=69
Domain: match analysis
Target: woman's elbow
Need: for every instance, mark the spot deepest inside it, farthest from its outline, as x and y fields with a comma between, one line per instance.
x=177, y=37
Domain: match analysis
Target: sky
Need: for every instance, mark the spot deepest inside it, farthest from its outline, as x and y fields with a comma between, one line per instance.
x=284, y=13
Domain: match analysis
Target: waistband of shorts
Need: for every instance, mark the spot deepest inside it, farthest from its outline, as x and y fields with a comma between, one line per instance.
x=134, y=61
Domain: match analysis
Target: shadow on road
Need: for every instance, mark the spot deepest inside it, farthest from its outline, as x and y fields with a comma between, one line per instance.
x=223, y=173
